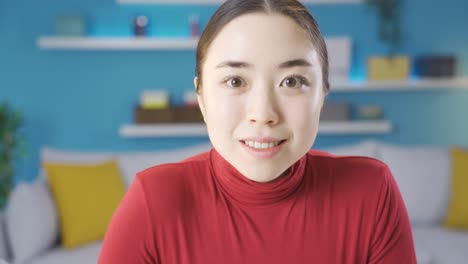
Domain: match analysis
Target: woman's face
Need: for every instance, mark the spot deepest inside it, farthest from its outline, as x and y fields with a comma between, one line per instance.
x=262, y=94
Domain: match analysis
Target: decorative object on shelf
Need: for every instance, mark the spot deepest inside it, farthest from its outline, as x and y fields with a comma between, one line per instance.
x=11, y=147
x=335, y=111
x=190, y=98
x=149, y=116
x=70, y=25
x=391, y=66
x=140, y=25
x=154, y=99
x=339, y=52
x=435, y=66
x=382, y=68
x=389, y=22
x=370, y=112
x=194, y=22
x=168, y=115
x=187, y=115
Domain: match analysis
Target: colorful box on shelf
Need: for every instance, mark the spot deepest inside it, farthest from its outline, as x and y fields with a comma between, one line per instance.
x=381, y=68
x=154, y=99
x=168, y=115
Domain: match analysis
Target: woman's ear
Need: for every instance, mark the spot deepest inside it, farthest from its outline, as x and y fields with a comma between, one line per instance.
x=198, y=90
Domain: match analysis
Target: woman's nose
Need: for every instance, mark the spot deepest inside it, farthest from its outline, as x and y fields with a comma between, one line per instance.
x=262, y=108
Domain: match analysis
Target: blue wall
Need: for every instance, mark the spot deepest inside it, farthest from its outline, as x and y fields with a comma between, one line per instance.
x=79, y=99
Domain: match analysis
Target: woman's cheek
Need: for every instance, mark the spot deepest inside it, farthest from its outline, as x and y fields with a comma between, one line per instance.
x=305, y=116
x=223, y=108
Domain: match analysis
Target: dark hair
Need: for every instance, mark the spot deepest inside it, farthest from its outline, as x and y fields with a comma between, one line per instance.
x=232, y=9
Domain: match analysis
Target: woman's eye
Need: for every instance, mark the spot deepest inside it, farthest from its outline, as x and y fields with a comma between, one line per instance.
x=294, y=82
x=235, y=82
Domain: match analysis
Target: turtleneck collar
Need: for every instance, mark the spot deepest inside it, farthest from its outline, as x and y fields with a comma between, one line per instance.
x=249, y=192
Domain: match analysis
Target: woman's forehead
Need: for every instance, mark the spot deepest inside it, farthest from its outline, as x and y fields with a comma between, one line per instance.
x=261, y=38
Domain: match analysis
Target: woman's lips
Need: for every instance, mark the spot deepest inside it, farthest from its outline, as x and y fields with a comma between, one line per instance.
x=263, y=151
x=262, y=139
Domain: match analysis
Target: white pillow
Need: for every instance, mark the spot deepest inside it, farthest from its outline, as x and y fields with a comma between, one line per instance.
x=31, y=221
x=367, y=148
x=423, y=176
x=131, y=163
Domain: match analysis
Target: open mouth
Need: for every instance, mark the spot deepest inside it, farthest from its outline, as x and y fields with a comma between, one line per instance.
x=262, y=145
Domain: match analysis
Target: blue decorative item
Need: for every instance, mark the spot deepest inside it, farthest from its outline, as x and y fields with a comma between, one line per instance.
x=140, y=25
x=435, y=66
x=70, y=25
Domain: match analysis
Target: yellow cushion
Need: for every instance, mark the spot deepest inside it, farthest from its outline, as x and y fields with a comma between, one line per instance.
x=86, y=197
x=458, y=209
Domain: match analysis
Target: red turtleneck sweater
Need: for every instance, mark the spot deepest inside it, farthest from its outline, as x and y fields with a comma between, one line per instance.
x=328, y=209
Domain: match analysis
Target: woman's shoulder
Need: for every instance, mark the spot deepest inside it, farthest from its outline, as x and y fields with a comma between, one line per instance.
x=172, y=187
x=360, y=171
x=353, y=181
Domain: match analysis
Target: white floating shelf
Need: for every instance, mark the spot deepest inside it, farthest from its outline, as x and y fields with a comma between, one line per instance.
x=117, y=43
x=163, y=130
x=355, y=127
x=410, y=85
x=134, y=43
x=196, y=130
x=216, y=2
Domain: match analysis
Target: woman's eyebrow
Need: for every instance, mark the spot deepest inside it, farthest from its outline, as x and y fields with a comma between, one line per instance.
x=234, y=64
x=295, y=63
x=287, y=64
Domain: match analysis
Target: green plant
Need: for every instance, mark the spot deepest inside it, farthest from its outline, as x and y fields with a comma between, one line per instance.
x=11, y=144
x=389, y=22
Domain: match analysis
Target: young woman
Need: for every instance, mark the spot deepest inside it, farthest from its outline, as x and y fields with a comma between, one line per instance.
x=261, y=195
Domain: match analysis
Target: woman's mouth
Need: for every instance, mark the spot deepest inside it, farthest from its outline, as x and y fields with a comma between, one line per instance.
x=262, y=149
x=262, y=145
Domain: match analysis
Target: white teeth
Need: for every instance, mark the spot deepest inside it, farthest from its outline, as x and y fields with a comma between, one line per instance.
x=260, y=145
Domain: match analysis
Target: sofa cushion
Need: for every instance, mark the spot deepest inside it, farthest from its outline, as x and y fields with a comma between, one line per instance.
x=458, y=209
x=87, y=254
x=86, y=197
x=31, y=221
x=423, y=176
x=31, y=208
x=53, y=155
x=445, y=246
x=368, y=148
x=423, y=256
x=131, y=163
